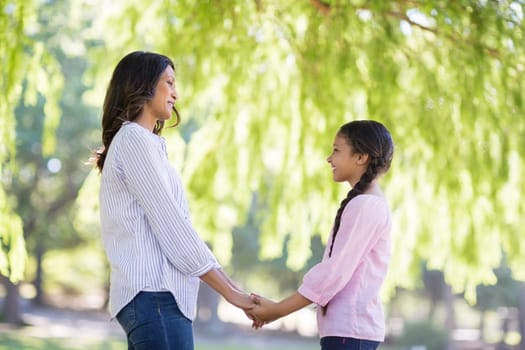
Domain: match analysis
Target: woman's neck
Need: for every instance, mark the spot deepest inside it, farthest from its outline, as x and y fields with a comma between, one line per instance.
x=145, y=122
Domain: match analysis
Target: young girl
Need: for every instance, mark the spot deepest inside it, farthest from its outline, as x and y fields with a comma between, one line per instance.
x=346, y=283
x=156, y=256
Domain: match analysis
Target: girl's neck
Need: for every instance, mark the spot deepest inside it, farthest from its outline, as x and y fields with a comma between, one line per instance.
x=374, y=189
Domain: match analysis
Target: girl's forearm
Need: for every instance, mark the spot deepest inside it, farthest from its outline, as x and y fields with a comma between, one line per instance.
x=291, y=304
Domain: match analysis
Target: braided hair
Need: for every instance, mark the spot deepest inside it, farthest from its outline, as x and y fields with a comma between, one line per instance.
x=132, y=85
x=365, y=137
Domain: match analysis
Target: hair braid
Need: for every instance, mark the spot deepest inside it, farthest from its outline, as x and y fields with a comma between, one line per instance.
x=360, y=187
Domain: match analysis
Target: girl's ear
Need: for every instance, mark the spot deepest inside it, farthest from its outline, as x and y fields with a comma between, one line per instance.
x=363, y=159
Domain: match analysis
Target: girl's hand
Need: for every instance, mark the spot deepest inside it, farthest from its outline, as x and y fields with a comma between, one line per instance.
x=264, y=312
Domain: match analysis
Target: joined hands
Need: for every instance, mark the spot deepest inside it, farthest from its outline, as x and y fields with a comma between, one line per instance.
x=263, y=312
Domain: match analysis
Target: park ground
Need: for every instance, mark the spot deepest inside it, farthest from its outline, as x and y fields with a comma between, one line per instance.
x=61, y=328
x=55, y=328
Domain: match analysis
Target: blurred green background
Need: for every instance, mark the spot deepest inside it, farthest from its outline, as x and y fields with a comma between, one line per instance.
x=264, y=86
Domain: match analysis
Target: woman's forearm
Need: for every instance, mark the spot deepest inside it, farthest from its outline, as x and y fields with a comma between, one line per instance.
x=230, y=281
x=220, y=282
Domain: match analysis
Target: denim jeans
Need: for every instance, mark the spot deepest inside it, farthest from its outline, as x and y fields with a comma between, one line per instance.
x=153, y=321
x=340, y=343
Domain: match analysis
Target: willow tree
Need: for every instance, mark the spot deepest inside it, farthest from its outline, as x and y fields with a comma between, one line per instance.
x=264, y=86
x=28, y=73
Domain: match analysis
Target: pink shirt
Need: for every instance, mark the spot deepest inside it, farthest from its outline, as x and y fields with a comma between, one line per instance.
x=350, y=280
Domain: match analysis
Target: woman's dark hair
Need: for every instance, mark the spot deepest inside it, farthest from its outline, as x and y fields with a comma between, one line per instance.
x=132, y=85
x=364, y=137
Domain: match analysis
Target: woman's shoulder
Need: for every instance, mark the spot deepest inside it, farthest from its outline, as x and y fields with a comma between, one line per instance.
x=135, y=134
x=128, y=127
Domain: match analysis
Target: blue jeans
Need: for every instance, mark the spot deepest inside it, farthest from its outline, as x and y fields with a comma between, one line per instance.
x=152, y=320
x=340, y=343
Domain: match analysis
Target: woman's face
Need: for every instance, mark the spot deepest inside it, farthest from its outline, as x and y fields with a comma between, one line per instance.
x=160, y=107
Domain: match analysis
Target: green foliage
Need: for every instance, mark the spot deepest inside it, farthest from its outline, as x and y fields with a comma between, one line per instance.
x=14, y=19
x=264, y=86
x=12, y=247
x=75, y=272
x=270, y=276
x=33, y=68
x=269, y=83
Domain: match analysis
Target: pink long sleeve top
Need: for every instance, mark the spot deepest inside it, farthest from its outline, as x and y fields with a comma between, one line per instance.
x=350, y=280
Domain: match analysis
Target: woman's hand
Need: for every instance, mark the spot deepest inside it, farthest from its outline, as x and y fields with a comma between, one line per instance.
x=220, y=282
x=241, y=300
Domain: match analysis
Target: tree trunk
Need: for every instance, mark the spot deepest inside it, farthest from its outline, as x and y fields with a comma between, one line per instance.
x=450, y=315
x=482, y=315
x=39, y=253
x=521, y=314
x=208, y=304
x=11, y=312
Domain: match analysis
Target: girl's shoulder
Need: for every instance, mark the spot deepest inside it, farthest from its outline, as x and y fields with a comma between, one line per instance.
x=371, y=203
x=368, y=208
x=370, y=198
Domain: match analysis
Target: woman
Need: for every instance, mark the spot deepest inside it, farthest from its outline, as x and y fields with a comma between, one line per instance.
x=156, y=257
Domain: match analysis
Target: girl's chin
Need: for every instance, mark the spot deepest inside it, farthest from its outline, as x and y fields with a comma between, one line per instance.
x=338, y=179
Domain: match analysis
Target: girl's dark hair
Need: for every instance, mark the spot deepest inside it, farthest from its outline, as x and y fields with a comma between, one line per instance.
x=132, y=84
x=364, y=137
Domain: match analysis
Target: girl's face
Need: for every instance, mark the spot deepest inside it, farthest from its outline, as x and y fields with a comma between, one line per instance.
x=347, y=165
x=160, y=107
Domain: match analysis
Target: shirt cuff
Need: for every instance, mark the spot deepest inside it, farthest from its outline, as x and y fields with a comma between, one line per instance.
x=309, y=294
x=202, y=271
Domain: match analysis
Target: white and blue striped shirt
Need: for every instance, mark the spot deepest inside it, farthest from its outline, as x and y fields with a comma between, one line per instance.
x=146, y=227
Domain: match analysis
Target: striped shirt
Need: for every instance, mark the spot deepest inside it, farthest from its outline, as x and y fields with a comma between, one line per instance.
x=146, y=227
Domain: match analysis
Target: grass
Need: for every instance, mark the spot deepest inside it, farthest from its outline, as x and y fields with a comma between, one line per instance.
x=15, y=340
